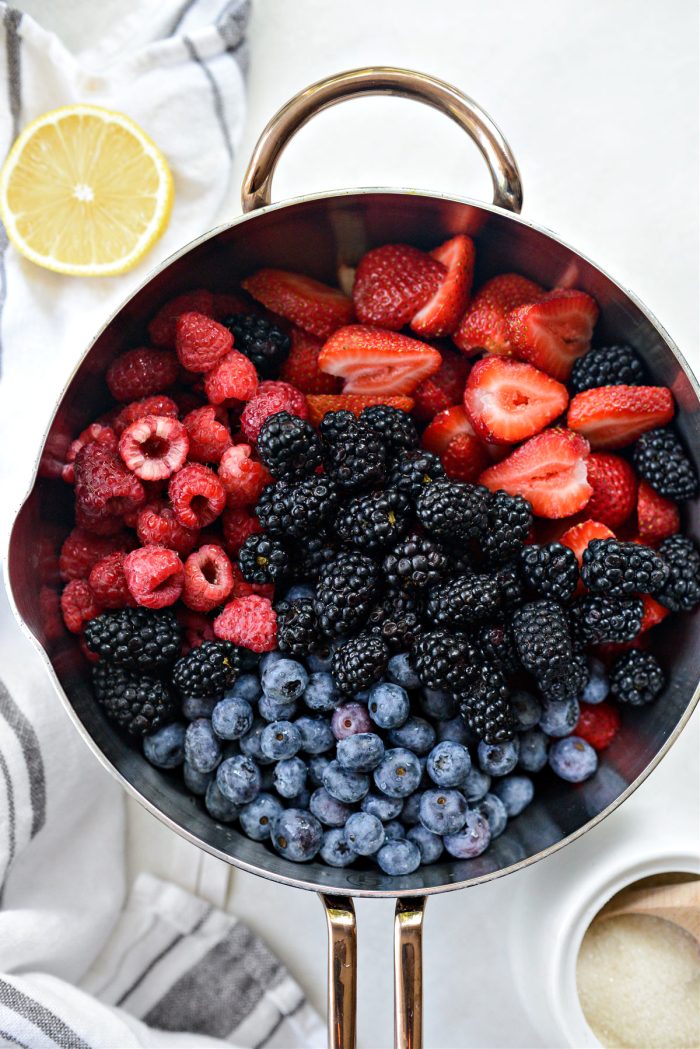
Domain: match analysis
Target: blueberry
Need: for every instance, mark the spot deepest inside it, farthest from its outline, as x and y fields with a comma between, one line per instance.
x=336, y=850
x=598, y=683
x=471, y=840
x=296, y=835
x=321, y=692
x=399, y=671
x=399, y=773
x=388, y=705
x=258, y=816
x=498, y=759
x=429, y=845
x=573, y=759
x=363, y=751
x=399, y=857
x=300, y=592
x=202, y=748
x=382, y=807
x=438, y=705
x=284, y=680
x=238, y=779
x=453, y=729
x=317, y=766
x=319, y=661
x=289, y=777
x=443, y=811
x=416, y=734
x=328, y=810
x=247, y=687
x=410, y=812
x=516, y=793
x=494, y=811
x=268, y=659
x=393, y=830
x=280, y=739
x=198, y=707
x=232, y=717
x=344, y=784
x=448, y=764
x=165, y=748
x=475, y=784
x=316, y=735
x=559, y=716
x=276, y=709
x=350, y=718
x=364, y=833
x=196, y=781
x=362, y=696
x=219, y=806
x=250, y=743
x=533, y=750
x=526, y=708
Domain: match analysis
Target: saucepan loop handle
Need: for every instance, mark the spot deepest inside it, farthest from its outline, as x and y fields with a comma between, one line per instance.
x=382, y=80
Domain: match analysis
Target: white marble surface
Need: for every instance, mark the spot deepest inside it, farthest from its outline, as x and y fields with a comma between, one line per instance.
x=599, y=103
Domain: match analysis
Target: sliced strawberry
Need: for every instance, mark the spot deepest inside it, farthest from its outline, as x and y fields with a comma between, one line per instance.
x=508, y=401
x=613, y=416
x=578, y=537
x=315, y=307
x=653, y=614
x=375, y=361
x=301, y=366
x=484, y=325
x=443, y=389
x=393, y=282
x=442, y=312
x=351, y=402
x=445, y=427
x=451, y=436
x=554, y=331
x=657, y=517
x=549, y=471
x=614, y=484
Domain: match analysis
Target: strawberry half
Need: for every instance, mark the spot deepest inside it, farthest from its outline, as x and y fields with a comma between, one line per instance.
x=376, y=361
x=653, y=613
x=443, y=389
x=484, y=325
x=614, y=484
x=598, y=724
x=451, y=436
x=613, y=416
x=442, y=313
x=301, y=366
x=657, y=517
x=554, y=331
x=313, y=306
x=508, y=401
x=319, y=405
x=578, y=537
x=392, y=283
x=549, y=471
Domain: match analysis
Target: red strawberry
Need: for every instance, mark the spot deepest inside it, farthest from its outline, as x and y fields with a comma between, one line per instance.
x=614, y=484
x=554, y=331
x=443, y=389
x=613, y=416
x=442, y=312
x=508, y=401
x=578, y=537
x=451, y=436
x=393, y=282
x=598, y=724
x=657, y=517
x=549, y=470
x=319, y=405
x=375, y=361
x=484, y=325
x=301, y=367
x=653, y=614
x=313, y=306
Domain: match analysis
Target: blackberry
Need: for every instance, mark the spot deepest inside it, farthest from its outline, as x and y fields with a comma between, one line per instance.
x=297, y=627
x=374, y=521
x=608, y=366
x=309, y=556
x=454, y=510
x=397, y=620
x=289, y=446
x=297, y=508
x=510, y=587
x=414, y=564
x=463, y=601
x=207, y=670
x=359, y=663
x=544, y=645
x=137, y=703
x=353, y=455
x=681, y=591
x=485, y=705
x=636, y=678
x=495, y=644
x=599, y=619
x=550, y=570
x=440, y=659
x=414, y=472
x=662, y=461
x=396, y=428
x=345, y=592
x=509, y=524
x=135, y=637
x=617, y=569
x=262, y=342
x=262, y=558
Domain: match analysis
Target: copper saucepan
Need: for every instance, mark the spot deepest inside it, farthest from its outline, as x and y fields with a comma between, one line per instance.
x=313, y=235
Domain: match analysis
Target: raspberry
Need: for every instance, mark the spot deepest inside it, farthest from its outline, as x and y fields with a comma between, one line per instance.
x=250, y=622
x=50, y=613
x=208, y=433
x=198, y=628
x=96, y=433
x=157, y=525
x=154, y=576
x=234, y=378
x=154, y=447
x=598, y=724
x=200, y=341
x=197, y=496
x=78, y=605
x=103, y=485
x=271, y=397
x=242, y=477
x=108, y=582
x=81, y=551
x=159, y=404
x=208, y=579
x=104, y=524
x=162, y=329
x=237, y=524
x=139, y=373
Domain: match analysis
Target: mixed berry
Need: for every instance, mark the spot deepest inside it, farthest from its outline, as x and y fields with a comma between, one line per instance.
x=363, y=568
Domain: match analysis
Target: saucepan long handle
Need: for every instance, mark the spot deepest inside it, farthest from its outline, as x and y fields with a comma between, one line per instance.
x=382, y=80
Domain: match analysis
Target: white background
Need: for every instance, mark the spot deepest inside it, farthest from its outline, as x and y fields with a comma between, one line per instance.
x=599, y=102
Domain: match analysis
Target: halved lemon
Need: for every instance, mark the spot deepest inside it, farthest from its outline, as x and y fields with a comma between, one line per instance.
x=85, y=191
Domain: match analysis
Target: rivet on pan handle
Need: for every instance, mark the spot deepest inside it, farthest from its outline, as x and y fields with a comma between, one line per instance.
x=382, y=80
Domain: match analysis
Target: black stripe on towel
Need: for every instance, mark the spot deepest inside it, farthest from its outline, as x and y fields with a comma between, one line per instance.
x=215, y=93
x=278, y=1023
x=159, y=957
x=29, y=742
x=11, y=830
x=47, y=1022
